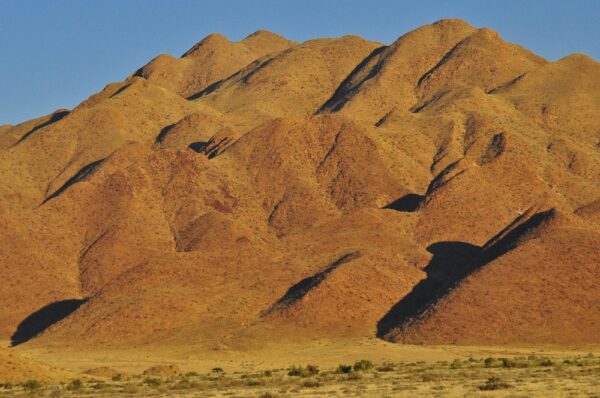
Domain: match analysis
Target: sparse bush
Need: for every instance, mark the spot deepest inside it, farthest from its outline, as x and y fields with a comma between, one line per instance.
x=117, y=377
x=344, y=369
x=489, y=362
x=267, y=395
x=152, y=381
x=130, y=388
x=363, y=365
x=6, y=386
x=192, y=374
x=354, y=376
x=456, y=364
x=294, y=371
x=309, y=370
x=267, y=373
x=185, y=384
x=162, y=371
x=494, y=383
x=386, y=367
x=32, y=385
x=75, y=385
x=217, y=370
x=546, y=362
x=55, y=393
x=99, y=385
x=311, y=384
x=428, y=377
x=253, y=382
x=508, y=363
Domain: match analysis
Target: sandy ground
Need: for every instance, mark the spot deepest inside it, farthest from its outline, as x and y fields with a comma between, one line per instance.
x=325, y=353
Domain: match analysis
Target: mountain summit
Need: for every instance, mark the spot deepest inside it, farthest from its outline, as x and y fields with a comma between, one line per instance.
x=441, y=189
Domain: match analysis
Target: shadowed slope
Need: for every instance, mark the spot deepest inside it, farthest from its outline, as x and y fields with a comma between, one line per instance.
x=387, y=80
x=294, y=82
x=42, y=319
x=517, y=285
x=301, y=288
x=209, y=61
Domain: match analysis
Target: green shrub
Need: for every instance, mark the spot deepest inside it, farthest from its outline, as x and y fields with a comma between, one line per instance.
x=152, y=381
x=55, y=393
x=32, y=385
x=508, y=363
x=130, y=388
x=253, y=382
x=456, y=364
x=185, y=384
x=363, y=365
x=75, y=385
x=311, y=384
x=494, y=383
x=99, y=385
x=428, y=377
x=309, y=370
x=295, y=371
x=386, y=367
x=344, y=369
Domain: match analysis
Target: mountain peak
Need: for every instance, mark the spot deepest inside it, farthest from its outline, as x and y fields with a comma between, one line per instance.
x=451, y=23
x=212, y=40
x=262, y=33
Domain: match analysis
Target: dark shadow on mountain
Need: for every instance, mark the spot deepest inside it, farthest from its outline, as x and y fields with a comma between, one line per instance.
x=43, y=318
x=120, y=90
x=80, y=175
x=516, y=233
x=300, y=289
x=347, y=88
x=258, y=65
x=408, y=203
x=449, y=264
x=444, y=59
x=199, y=146
x=53, y=119
x=210, y=148
x=454, y=261
x=163, y=133
x=209, y=89
x=418, y=108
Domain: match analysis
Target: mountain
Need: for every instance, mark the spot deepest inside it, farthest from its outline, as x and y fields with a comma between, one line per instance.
x=441, y=189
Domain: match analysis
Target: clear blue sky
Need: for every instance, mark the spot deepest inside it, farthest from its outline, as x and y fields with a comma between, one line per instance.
x=55, y=53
